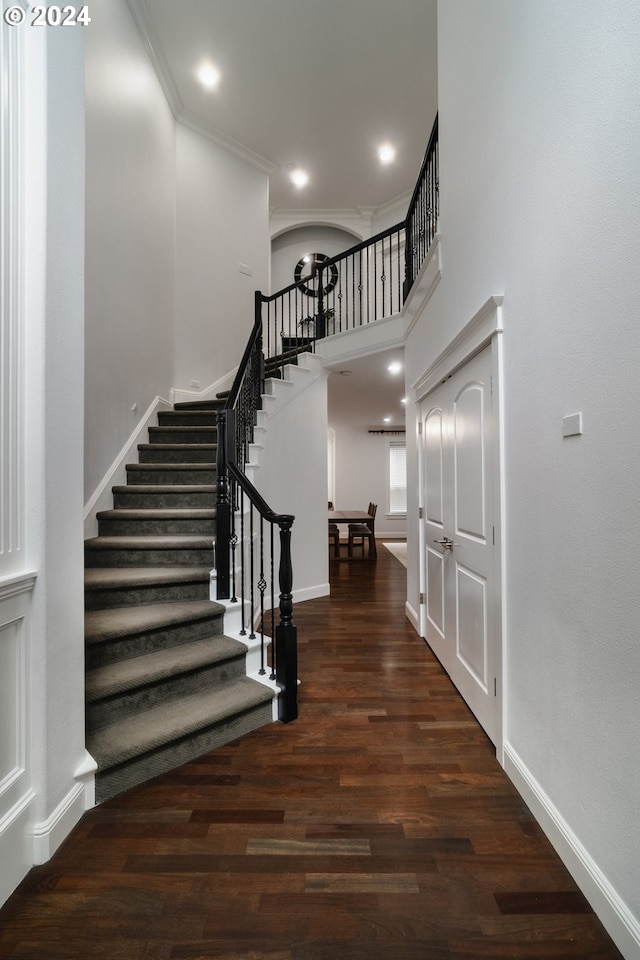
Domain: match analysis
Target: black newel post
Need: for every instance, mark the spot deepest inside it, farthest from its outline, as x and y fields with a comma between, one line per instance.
x=223, y=513
x=286, y=633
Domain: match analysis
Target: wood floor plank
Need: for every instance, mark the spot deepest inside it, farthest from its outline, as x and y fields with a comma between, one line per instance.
x=378, y=826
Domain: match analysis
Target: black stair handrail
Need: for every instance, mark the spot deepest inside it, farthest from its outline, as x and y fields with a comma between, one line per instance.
x=241, y=516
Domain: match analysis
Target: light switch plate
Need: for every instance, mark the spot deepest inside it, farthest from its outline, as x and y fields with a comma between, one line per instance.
x=572, y=425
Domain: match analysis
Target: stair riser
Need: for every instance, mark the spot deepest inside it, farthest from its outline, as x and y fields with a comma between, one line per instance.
x=156, y=453
x=193, y=557
x=158, y=527
x=140, y=596
x=183, y=435
x=199, y=405
x=124, y=776
x=170, y=688
x=182, y=418
x=99, y=654
x=163, y=500
x=138, y=474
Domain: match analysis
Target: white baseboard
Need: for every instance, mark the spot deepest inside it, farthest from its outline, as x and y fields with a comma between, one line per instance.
x=412, y=617
x=311, y=593
x=179, y=395
x=622, y=926
x=116, y=475
x=15, y=852
x=48, y=835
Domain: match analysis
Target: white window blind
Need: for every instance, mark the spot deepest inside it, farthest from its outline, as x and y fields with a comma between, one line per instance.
x=397, y=478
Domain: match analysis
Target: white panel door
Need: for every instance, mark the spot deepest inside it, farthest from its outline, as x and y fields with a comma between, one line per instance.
x=459, y=564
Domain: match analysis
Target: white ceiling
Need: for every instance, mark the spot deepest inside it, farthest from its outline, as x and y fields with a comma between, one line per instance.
x=315, y=83
x=369, y=393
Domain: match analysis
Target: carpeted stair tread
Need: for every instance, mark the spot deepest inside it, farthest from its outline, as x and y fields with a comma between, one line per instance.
x=199, y=405
x=159, y=467
x=116, y=622
x=123, y=675
x=199, y=415
x=169, y=542
x=178, y=446
x=186, y=428
x=160, y=513
x=177, y=488
x=162, y=725
x=96, y=578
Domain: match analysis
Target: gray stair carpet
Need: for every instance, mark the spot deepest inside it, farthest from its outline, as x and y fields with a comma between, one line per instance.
x=163, y=682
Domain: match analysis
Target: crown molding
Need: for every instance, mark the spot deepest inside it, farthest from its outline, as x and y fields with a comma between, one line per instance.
x=153, y=46
x=144, y=24
x=233, y=146
x=352, y=220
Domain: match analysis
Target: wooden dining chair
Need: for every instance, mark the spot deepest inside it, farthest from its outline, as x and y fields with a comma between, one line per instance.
x=334, y=538
x=359, y=532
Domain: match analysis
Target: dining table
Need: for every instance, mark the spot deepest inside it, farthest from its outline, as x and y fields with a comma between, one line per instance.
x=355, y=516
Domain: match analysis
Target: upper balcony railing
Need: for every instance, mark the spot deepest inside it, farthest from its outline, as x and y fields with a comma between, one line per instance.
x=422, y=216
x=365, y=283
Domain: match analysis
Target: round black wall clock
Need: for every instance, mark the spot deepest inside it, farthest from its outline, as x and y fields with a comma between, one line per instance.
x=305, y=266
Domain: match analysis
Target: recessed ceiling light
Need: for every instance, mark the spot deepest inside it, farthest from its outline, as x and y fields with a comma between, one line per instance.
x=209, y=76
x=386, y=153
x=395, y=367
x=386, y=419
x=404, y=400
x=345, y=373
x=299, y=178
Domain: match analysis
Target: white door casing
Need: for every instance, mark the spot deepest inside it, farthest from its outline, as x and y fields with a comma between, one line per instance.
x=461, y=506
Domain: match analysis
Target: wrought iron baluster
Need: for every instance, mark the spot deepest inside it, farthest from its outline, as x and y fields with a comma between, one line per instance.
x=243, y=597
x=252, y=579
x=375, y=281
x=273, y=602
x=262, y=585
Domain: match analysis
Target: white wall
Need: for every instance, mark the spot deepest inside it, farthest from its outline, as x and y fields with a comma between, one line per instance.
x=539, y=152
x=362, y=475
x=289, y=247
x=130, y=227
x=293, y=479
x=222, y=229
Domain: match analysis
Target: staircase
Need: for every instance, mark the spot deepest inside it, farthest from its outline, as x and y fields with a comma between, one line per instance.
x=163, y=682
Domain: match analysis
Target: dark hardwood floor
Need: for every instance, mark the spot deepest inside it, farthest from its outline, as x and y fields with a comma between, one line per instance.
x=378, y=826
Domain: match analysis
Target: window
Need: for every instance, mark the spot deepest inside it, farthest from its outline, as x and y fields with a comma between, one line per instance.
x=397, y=478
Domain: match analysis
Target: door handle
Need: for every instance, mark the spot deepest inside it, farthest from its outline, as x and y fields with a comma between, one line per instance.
x=446, y=543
